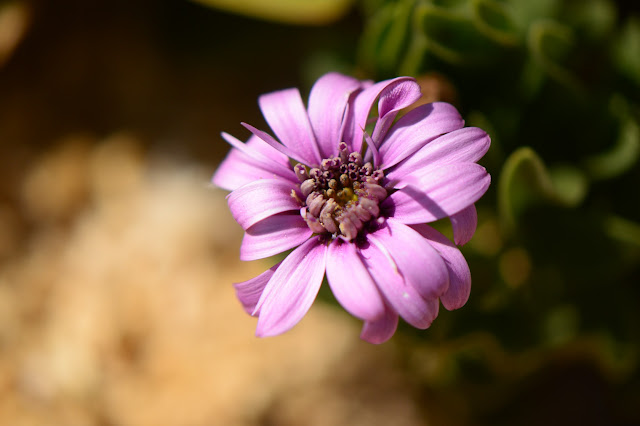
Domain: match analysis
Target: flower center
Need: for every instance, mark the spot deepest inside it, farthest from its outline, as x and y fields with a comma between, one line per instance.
x=342, y=195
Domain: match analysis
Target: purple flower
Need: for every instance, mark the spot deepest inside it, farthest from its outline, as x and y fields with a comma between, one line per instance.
x=355, y=204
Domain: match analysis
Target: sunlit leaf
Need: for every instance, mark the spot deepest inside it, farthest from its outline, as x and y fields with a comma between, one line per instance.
x=304, y=12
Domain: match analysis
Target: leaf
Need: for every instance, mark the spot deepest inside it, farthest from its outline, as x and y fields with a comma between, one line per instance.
x=525, y=181
x=623, y=229
x=595, y=18
x=494, y=20
x=626, y=50
x=448, y=34
x=622, y=156
x=385, y=37
x=303, y=12
x=550, y=43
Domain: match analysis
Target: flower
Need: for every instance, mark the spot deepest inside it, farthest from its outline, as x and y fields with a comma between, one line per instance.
x=355, y=206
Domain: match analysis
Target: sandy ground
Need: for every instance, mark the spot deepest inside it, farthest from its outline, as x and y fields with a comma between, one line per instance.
x=116, y=308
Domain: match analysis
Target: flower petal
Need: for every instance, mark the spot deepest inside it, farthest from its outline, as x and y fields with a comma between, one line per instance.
x=351, y=283
x=419, y=264
x=292, y=289
x=401, y=94
x=380, y=330
x=464, y=224
x=459, y=275
x=416, y=129
x=287, y=117
x=394, y=95
x=250, y=161
x=248, y=292
x=258, y=200
x=439, y=193
x=271, y=141
x=466, y=145
x=401, y=296
x=274, y=235
x=327, y=103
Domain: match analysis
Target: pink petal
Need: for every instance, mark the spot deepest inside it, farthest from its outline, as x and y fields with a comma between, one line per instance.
x=464, y=224
x=258, y=200
x=250, y=161
x=272, y=142
x=399, y=95
x=401, y=296
x=327, y=103
x=287, y=117
x=394, y=95
x=258, y=150
x=351, y=283
x=274, y=235
x=419, y=264
x=292, y=289
x=459, y=275
x=381, y=329
x=416, y=129
x=466, y=145
x=248, y=292
x=438, y=193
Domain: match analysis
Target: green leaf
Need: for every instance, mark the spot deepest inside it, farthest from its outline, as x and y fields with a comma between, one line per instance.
x=525, y=12
x=550, y=43
x=626, y=50
x=595, y=18
x=525, y=180
x=569, y=183
x=623, y=229
x=450, y=35
x=494, y=20
x=303, y=12
x=385, y=37
x=622, y=156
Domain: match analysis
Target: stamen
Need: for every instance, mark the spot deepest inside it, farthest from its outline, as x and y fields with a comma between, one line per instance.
x=315, y=202
x=326, y=164
x=301, y=172
x=343, y=150
x=356, y=158
x=348, y=229
x=314, y=173
x=308, y=186
x=341, y=196
x=375, y=190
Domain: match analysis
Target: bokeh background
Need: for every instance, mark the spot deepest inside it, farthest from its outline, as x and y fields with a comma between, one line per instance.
x=117, y=255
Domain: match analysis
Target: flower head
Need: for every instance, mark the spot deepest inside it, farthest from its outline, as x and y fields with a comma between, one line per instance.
x=352, y=197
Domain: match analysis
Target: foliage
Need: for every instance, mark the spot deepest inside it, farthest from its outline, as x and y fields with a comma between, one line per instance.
x=557, y=253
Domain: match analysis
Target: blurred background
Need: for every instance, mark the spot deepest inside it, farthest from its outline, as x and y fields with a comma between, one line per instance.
x=117, y=255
